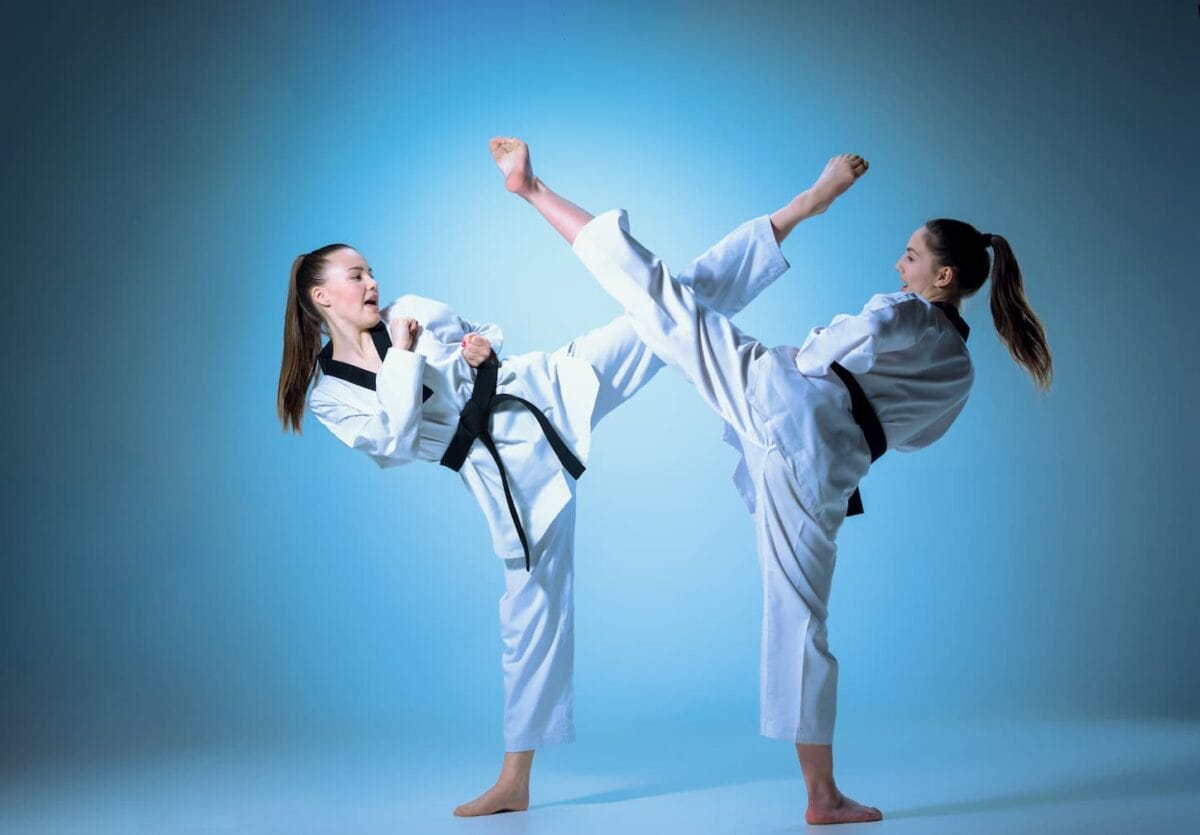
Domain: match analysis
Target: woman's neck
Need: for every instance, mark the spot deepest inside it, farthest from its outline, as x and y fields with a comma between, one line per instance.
x=932, y=295
x=353, y=345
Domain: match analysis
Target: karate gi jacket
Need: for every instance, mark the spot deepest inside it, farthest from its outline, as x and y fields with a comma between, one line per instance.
x=412, y=412
x=910, y=359
x=907, y=354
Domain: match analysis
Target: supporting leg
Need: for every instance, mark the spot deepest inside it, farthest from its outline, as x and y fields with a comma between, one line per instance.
x=799, y=674
x=538, y=631
x=537, y=626
x=509, y=794
x=826, y=804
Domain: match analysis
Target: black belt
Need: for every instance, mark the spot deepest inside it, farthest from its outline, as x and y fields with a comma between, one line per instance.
x=864, y=415
x=473, y=422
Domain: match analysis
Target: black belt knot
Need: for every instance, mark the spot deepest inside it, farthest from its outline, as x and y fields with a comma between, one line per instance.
x=864, y=415
x=473, y=422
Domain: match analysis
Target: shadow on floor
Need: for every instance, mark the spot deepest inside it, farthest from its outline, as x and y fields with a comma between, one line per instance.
x=658, y=788
x=1179, y=778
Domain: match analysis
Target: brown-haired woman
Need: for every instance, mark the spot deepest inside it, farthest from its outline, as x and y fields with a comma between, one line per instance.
x=809, y=421
x=416, y=382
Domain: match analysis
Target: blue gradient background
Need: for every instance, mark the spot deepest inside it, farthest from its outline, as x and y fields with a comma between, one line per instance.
x=177, y=572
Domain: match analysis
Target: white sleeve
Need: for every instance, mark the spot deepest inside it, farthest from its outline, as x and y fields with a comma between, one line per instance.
x=735, y=270
x=440, y=320
x=886, y=324
x=488, y=331
x=390, y=436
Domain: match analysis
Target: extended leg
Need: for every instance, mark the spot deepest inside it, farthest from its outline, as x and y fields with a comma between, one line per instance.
x=710, y=351
x=702, y=343
x=512, y=155
x=840, y=173
x=726, y=277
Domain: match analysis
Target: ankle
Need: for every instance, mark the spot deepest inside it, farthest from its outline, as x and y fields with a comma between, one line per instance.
x=515, y=770
x=823, y=793
x=804, y=205
x=511, y=780
x=810, y=203
x=534, y=189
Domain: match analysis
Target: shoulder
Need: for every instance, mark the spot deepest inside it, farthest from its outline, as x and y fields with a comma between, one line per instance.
x=418, y=307
x=914, y=302
x=324, y=395
x=911, y=309
x=331, y=396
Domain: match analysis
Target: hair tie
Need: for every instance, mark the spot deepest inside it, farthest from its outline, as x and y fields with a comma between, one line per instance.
x=986, y=239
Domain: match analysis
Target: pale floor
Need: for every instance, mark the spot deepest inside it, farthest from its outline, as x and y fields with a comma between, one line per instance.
x=1095, y=778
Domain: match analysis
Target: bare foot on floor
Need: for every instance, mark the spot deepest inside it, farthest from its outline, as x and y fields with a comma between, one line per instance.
x=840, y=810
x=840, y=173
x=502, y=797
x=512, y=155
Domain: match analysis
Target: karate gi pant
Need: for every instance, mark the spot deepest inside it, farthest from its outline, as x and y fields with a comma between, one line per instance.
x=537, y=608
x=798, y=677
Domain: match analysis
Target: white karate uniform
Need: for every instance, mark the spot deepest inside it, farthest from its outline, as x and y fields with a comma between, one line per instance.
x=575, y=387
x=802, y=453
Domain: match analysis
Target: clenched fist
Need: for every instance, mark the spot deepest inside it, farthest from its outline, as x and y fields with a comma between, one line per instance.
x=404, y=330
x=476, y=349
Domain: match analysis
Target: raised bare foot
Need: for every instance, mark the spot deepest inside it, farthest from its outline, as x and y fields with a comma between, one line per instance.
x=840, y=809
x=505, y=796
x=512, y=155
x=840, y=173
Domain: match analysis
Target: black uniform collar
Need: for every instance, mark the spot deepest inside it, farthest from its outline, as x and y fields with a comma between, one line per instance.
x=955, y=318
x=352, y=373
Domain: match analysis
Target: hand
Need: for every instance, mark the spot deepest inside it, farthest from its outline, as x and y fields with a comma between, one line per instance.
x=476, y=349
x=404, y=330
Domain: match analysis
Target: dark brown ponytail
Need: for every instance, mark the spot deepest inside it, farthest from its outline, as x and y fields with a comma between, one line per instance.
x=301, y=336
x=961, y=246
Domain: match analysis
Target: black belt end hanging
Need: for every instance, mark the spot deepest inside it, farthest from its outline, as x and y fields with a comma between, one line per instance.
x=473, y=422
